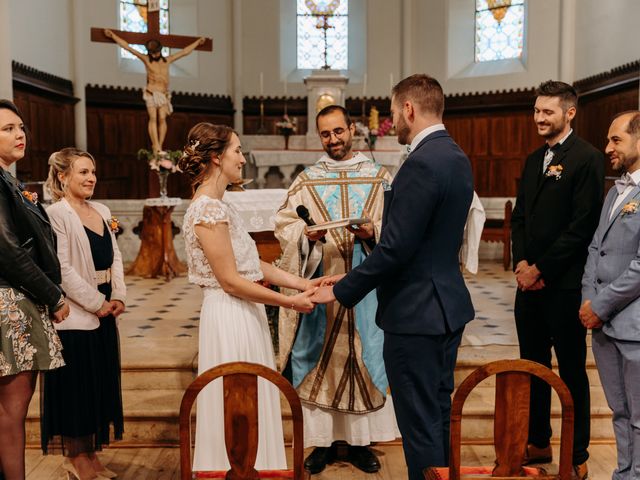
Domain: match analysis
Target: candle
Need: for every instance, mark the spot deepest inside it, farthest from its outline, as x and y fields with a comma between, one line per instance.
x=390, y=81
x=261, y=84
x=364, y=85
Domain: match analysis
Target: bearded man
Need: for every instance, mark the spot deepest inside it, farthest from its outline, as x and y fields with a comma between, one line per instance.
x=334, y=355
x=555, y=216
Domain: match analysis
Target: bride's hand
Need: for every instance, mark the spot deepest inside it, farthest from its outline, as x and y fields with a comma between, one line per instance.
x=302, y=301
x=331, y=280
x=315, y=282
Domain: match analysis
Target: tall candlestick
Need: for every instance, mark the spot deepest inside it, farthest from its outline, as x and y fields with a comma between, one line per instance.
x=261, y=84
x=364, y=85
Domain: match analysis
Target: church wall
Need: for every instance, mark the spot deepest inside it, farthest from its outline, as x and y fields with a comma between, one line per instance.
x=607, y=35
x=40, y=37
x=443, y=45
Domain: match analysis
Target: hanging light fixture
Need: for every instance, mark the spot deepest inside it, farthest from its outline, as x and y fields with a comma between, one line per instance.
x=499, y=8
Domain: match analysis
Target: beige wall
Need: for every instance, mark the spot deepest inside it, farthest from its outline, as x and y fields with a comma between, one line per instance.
x=607, y=35
x=396, y=37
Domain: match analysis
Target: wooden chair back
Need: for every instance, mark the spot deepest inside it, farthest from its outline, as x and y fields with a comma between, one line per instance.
x=511, y=420
x=240, y=386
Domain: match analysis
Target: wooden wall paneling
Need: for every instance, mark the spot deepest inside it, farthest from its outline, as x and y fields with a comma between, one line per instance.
x=117, y=125
x=482, y=135
x=498, y=133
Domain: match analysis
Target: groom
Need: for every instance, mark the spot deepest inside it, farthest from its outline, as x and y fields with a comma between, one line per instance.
x=423, y=303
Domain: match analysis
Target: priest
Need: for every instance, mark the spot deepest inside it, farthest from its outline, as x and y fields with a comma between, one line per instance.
x=334, y=355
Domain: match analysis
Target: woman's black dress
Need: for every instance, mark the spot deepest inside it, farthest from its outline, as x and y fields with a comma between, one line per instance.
x=82, y=399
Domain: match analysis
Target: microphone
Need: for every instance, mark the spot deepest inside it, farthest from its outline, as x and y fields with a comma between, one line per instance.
x=303, y=213
x=366, y=140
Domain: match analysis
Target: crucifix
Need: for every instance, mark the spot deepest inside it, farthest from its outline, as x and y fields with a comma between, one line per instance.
x=156, y=93
x=323, y=24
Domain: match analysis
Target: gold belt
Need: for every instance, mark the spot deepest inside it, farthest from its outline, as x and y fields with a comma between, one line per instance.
x=103, y=276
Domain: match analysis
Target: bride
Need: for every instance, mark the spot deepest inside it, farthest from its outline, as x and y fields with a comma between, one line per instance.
x=222, y=259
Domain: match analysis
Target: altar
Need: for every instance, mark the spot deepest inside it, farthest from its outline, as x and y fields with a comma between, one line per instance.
x=266, y=156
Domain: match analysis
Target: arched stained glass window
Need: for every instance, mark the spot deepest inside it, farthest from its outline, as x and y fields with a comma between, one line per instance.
x=133, y=18
x=323, y=34
x=499, y=29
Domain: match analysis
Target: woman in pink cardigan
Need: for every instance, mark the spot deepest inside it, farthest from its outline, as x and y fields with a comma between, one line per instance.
x=83, y=399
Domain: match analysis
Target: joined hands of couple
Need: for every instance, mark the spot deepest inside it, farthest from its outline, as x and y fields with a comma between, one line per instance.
x=317, y=291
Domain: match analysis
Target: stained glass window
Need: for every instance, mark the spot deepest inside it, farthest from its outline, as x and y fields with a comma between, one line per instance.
x=499, y=29
x=323, y=34
x=133, y=18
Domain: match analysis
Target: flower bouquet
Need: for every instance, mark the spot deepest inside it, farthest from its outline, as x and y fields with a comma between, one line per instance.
x=287, y=127
x=377, y=129
x=163, y=162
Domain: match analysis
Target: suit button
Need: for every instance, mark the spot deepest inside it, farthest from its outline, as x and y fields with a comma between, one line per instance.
x=602, y=254
x=599, y=281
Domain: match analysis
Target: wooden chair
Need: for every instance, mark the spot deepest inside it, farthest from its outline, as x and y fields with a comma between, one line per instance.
x=511, y=423
x=499, y=230
x=240, y=384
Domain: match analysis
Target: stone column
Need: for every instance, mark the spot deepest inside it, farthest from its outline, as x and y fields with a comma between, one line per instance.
x=6, y=77
x=567, y=58
x=406, y=45
x=236, y=13
x=79, y=37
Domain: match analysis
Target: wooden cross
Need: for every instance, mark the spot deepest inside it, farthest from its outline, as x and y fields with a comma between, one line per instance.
x=153, y=33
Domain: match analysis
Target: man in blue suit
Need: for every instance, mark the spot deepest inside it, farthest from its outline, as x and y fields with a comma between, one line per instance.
x=611, y=293
x=423, y=303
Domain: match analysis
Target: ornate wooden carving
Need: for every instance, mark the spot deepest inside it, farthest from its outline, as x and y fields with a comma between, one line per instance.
x=619, y=78
x=28, y=79
x=273, y=113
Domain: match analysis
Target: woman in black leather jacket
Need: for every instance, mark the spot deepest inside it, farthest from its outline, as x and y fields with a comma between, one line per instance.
x=30, y=296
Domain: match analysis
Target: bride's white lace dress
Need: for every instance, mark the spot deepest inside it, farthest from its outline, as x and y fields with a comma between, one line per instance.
x=231, y=329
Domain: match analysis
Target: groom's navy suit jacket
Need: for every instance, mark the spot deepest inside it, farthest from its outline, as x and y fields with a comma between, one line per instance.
x=415, y=265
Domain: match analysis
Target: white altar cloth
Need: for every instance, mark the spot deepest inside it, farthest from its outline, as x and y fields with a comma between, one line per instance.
x=257, y=207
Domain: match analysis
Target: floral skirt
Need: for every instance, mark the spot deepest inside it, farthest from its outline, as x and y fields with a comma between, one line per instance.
x=28, y=340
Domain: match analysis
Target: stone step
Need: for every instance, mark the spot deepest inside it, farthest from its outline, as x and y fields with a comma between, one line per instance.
x=151, y=416
x=470, y=358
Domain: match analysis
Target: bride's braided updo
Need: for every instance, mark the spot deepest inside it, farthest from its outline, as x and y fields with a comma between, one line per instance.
x=203, y=141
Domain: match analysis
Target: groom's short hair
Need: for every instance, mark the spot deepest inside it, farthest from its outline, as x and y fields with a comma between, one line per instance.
x=423, y=90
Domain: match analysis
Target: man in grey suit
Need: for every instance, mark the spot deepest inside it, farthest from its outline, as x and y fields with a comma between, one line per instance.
x=611, y=293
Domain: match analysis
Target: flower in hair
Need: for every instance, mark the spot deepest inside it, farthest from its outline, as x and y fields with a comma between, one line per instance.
x=195, y=143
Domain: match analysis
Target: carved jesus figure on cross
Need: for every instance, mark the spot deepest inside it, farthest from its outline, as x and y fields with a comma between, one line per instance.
x=156, y=93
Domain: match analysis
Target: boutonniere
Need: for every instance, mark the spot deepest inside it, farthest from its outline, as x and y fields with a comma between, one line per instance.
x=630, y=208
x=31, y=196
x=554, y=171
x=114, y=224
x=386, y=186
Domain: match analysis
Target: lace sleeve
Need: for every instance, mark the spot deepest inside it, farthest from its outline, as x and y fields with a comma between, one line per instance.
x=212, y=212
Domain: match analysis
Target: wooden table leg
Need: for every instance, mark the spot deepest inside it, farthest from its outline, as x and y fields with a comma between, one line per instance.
x=157, y=255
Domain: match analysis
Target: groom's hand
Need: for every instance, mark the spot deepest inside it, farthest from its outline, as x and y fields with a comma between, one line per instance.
x=323, y=295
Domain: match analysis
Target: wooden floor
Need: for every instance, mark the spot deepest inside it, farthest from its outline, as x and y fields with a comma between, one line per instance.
x=162, y=463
